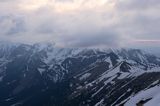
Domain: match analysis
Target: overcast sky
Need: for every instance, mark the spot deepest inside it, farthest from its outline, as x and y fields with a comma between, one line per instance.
x=82, y=23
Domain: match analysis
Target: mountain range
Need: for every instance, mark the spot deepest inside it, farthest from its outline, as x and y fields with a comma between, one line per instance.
x=45, y=75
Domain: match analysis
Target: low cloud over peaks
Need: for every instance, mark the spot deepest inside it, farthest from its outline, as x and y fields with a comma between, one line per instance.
x=81, y=23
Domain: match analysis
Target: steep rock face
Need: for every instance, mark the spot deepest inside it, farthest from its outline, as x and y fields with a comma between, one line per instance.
x=45, y=75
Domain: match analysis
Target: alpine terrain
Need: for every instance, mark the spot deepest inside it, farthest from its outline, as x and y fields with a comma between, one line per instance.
x=45, y=75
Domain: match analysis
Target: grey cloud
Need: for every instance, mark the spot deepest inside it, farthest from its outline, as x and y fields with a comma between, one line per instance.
x=139, y=19
x=46, y=28
x=137, y=4
x=107, y=40
x=95, y=38
x=130, y=19
x=11, y=25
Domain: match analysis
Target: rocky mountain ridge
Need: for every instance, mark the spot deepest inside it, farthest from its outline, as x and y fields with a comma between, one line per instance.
x=45, y=75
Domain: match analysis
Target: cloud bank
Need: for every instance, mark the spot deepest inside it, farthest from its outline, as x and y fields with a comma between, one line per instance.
x=81, y=23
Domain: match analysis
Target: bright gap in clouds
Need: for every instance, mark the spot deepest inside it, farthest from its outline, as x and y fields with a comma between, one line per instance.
x=148, y=40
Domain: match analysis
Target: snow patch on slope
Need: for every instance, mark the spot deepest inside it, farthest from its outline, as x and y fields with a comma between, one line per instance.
x=85, y=76
x=152, y=93
x=41, y=70
x=108, y=60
